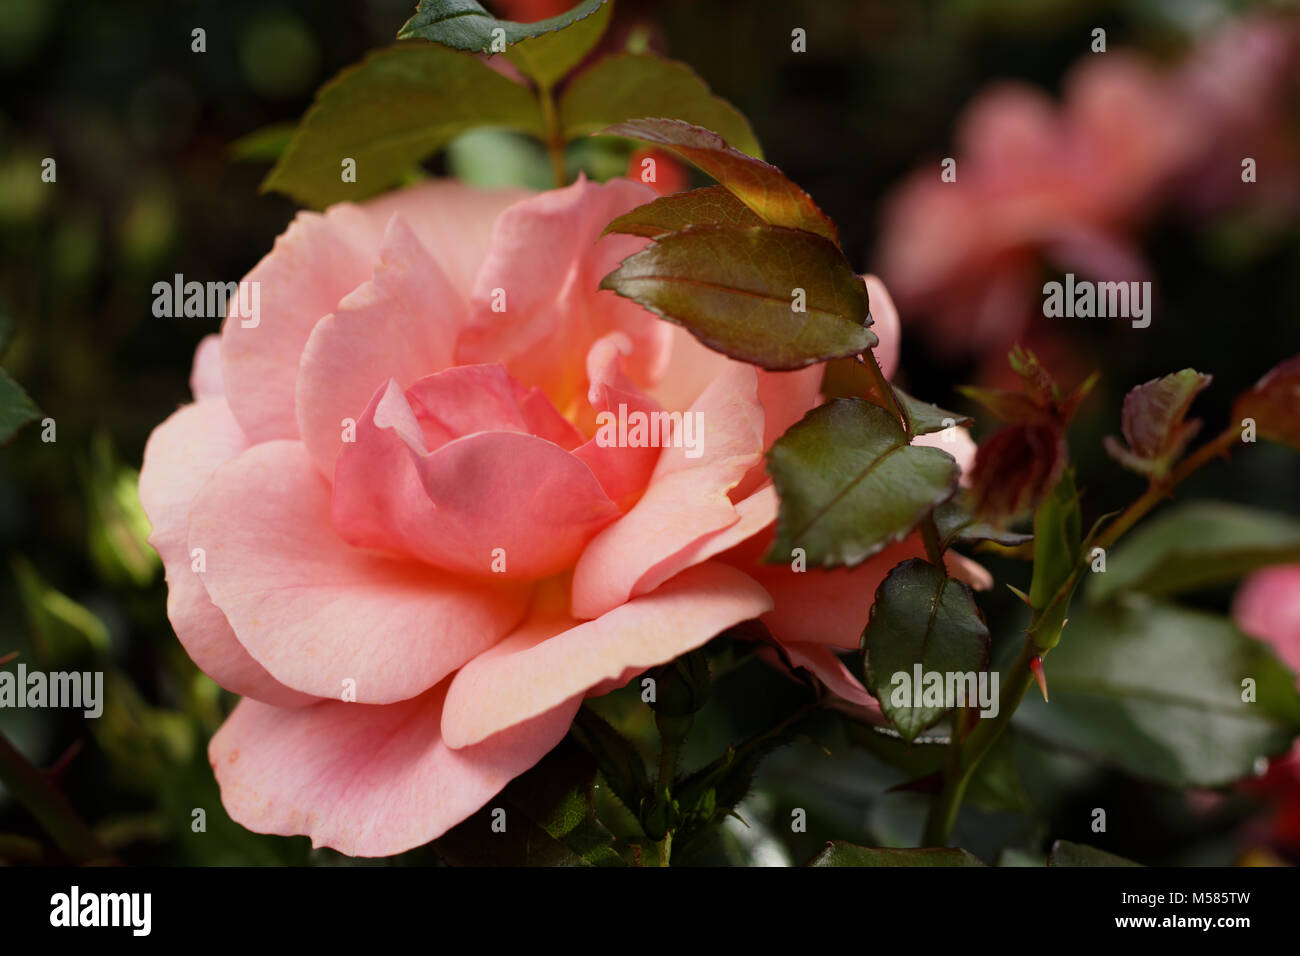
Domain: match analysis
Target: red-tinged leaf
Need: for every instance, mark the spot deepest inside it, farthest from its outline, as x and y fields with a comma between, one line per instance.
x=710, y=206
x=759, y=185
x=1153, y=422
x=1015, y=468
x=1274, y=404
x=1039, y=400
x=734, y=290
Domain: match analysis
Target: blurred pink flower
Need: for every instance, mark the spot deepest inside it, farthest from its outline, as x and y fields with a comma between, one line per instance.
x=1072, y=184
x=1267, y=606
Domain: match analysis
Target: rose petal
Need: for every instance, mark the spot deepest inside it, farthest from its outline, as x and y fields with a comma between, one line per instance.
x=181, y=454
x=545, y=663
x=547, y=258
x=205, y=377
x=367, y=780
x=489, y=495
x=402, y=325
x=686, y=499
x=316, y=612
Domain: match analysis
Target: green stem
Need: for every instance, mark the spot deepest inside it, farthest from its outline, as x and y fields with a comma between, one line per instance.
x=48, y=805
x=554, y=138
x=970, y=751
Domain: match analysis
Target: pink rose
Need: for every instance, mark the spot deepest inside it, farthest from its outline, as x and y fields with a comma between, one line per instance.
x=389, y=521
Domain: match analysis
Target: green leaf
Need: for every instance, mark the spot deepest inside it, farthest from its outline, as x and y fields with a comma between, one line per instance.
x=1157, y=691
x=1274, y=404
x=850, y=484
x=1057, y=539
x=116, y=525
x=1194, y=545
x=64, y=631
x=466, y=25
x=264, y=145
x=759, y=185
x=709, y=206
x=734, y=290
x=1065, y=853
x=548, y=57
x=956, y=523
x=839, y=853
x=628, y=86
x=549, y=819
x=921, y=617
x=619, y=762
x=389, y=112
x=16, y=409
x=924, y=418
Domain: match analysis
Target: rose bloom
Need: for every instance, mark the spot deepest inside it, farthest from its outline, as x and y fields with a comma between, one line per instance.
x=387, y=522
x=1267, y=606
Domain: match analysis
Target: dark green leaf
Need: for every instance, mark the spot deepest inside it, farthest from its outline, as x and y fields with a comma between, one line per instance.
x=1057, y=539
x=1157, y=690
x=1065, y=853
x=549, y=819
x=921, y=617
x=710, y=206
x=924, y=418
x=466, y=25
x=629, y=86
x=956, y=523
x=850, y=484
x=760, y=186
x=839, y=853
x=547, y=58
x=16, y=409
x=735, y=290
x=1197, y=544
x=619, y=762
x=388, y=113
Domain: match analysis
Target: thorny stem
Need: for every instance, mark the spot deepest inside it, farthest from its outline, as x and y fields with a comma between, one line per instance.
x=34, y=790
x=968, y=752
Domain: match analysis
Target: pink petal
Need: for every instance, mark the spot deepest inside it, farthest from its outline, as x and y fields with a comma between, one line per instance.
x=545, y=663
x=402, y=325
x=367, y=780
x=473, y=499
x=686, y=500
x=547, y=257
x=181, y=454
x=314, y=264
x=622, y=472
x=831, y=606
x=454, y=222
x=885, y=324
x=1267, y=606
x=316, y=612
x=205, y=377
x=821, y=661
